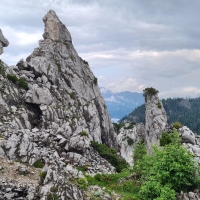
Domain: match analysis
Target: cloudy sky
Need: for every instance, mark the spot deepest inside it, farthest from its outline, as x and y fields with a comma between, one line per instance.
x=129, y=44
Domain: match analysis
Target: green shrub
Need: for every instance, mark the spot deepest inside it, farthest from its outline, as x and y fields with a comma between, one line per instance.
x=117, y=127
x=38, y=164
x=22, y=83
x=12, y=78
x=95, y=81
x=85, y=62
x=82, y=183
x=169, y=170
x=150, y=91
x=159, y=105
x=110, y=154
x=83, y=168
x=139, y=152
x=168, y=138
x=43, y=175
x=54, y=189
x=72, y=95
x=83, y=133
x=177, y=125
x=130, y=141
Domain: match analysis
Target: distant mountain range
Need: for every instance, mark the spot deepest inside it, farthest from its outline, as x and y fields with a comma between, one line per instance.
x=186, y=111
x=122, y=103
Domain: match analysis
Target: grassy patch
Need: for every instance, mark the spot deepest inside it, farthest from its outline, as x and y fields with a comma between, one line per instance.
x=130, y=141
x=121, y=183
x=38, y=164
x=19, y=82
x=159, y=105
x=110, y=154
x=83, y=133
x=72, y=95
x=177, y=125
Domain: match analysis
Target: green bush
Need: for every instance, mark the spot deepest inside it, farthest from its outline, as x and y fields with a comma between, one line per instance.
x=130, y=141
x=72, y=95
x=12, y=78
x=38, y=164
x=83, y=168
x=110, y=154
x=20, y=82
x=85, y=62
x=159, y=105
x=117, y=127
x=82, y=183
x=139, y=152
x=83, y=133
x=168, y=138
x=95, y=81
x=177, y=125
x=54, y=189
x=43, y=175
x=169, y=170
x=150, y=91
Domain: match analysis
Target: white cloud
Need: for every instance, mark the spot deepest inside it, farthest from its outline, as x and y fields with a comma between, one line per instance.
x=123, y=84
x=112, y=99
x=186, y=92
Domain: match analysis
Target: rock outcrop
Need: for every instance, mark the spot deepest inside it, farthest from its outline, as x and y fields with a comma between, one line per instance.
x=128, y=138
x=3, y=42
x=51, y=108
x=156, y=120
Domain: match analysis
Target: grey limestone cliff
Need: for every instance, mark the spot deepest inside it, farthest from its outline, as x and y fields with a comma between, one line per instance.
x=53, y=117
x=156, y=120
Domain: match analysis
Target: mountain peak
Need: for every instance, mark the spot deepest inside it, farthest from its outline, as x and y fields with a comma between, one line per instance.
x=54, y=29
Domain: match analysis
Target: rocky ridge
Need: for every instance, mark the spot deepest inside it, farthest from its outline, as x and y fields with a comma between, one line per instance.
x=51, y=108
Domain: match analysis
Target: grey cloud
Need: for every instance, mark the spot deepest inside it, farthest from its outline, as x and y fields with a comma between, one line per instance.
x=109, y=33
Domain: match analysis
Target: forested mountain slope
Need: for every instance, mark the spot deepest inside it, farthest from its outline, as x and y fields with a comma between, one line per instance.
x=186, y=111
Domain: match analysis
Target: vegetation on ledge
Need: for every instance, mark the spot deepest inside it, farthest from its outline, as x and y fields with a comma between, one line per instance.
x=110, y=154
x=163, y=174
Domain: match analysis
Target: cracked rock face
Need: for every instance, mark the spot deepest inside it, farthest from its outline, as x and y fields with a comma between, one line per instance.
x=3, y=42
x=127, y=140
x=156, y=120
x=55, y=116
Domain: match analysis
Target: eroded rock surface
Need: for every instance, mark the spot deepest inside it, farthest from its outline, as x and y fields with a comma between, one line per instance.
x=156, y=120
x=3, y=42
x=128, y=138
x=53, y=118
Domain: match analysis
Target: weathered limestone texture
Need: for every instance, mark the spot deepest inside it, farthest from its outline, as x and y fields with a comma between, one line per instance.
x=156, y=120
x=3, y=42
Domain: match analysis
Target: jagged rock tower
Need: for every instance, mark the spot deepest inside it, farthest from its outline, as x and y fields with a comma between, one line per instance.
x=51, y=108
x=156, y=120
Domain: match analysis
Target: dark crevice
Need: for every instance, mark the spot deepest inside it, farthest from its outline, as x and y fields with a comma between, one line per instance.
x=34, y=114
